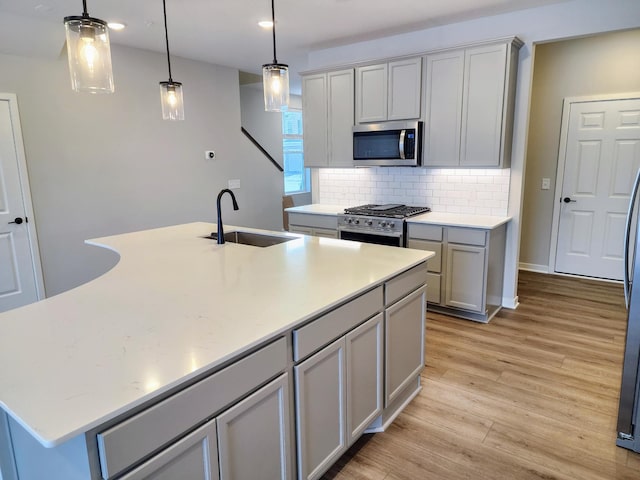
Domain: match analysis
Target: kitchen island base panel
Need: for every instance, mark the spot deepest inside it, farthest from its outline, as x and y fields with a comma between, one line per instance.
x=394, y=409
x=491, y=311
x=71, y=460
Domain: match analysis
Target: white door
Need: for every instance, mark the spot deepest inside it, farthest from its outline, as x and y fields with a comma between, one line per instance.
x=20, y=275
x=602, y=155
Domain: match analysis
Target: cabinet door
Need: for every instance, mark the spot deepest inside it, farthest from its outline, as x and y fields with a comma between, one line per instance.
x=254, y=435
x=371, y=93
x=483, y=104
x=405, y=81
x=364, y=376
x=443, y=108
x=341, y=111
x=195, y=457
x=314, y=118
x=404, y=343
x=465, y=277
x=321, y=410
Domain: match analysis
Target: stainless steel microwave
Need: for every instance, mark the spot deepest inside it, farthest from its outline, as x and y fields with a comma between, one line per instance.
x=388, y=144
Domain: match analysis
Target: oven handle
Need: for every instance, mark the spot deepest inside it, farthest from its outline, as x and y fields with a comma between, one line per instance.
x=382, y=234
x=401, y=143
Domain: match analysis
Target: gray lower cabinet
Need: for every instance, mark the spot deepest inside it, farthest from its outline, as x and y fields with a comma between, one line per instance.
x=254, y=435
x=404, y=347
x=321, y=410
x=165, y=424
x=195, y=457
x=338, y=394
x=465, y=277
x=312, y=224
x=250, y=440
x=466, y=265
x=364, y=348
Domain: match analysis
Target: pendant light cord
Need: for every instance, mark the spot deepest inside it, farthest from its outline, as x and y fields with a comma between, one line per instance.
x=166, y=37
x=273, y=20
x=84, y=8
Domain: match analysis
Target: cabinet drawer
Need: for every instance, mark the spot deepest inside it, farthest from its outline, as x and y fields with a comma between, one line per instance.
x=313, y=221
x=325, y=232
x=127, y=442
x=405, y=283
x=434, y=264
x=425, y=232
x=467, y=236
x=434, y=285
x=320, y=332
x=299, y=229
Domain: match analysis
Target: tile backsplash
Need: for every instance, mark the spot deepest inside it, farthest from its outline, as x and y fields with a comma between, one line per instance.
x=473, y=191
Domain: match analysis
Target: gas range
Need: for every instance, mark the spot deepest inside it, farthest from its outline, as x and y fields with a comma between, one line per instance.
x=382, y=224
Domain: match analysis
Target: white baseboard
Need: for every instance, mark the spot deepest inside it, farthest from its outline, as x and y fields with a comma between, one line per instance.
x=532, y=267
x=510, y=303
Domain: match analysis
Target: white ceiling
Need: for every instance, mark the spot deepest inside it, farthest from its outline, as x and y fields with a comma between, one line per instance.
x=225, y=32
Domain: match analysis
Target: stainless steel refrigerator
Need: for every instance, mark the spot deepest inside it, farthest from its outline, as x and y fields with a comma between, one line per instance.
x=628, y=419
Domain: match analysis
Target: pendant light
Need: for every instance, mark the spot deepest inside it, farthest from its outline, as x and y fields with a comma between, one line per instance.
x=275, y=78
x=170, y=91
x=89, y=53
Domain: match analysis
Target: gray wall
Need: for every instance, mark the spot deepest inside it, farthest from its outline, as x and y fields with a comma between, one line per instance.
x=606, y=63
x=107, y=164
x=265, y=127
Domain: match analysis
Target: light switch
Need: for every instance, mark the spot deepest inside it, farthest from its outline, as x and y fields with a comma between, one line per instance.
x=546, y=183
x=234, y=183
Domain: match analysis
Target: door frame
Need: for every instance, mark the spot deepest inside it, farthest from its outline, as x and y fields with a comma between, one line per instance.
x=26, y=192
x=562, y=152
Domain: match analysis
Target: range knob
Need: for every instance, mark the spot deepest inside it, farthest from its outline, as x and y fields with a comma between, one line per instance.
x=356, y=221
x=349, y=220
x=368, y=222
x=382, y=224
x=391, y=225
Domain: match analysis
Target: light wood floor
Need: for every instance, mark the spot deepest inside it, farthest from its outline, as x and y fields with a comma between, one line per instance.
x=531, y=395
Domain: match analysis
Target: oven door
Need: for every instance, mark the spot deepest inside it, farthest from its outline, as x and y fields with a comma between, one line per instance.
x=392, y=239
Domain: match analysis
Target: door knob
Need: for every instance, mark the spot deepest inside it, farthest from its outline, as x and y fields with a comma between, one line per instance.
x=17, y=221
x=568, y=200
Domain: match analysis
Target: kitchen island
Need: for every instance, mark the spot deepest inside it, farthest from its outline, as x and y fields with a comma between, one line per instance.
x=168, y=352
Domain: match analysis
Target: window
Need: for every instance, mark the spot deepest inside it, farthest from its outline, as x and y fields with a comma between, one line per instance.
x=297, y=179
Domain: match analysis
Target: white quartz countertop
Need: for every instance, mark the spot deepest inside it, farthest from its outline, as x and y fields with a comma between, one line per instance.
x=437, y=218
x=174, y=307
x=484, y=222
x=317, y=209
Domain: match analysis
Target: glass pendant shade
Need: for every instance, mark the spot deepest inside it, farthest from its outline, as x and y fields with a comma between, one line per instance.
x=275, y=79
x=89, y=54
x=171, y=99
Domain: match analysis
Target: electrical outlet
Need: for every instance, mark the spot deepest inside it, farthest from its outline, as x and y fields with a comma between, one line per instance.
x=546, y=184
x=209, y=155
x=235, y=183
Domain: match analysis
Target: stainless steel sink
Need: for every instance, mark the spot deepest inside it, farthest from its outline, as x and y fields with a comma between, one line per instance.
x=250, y=238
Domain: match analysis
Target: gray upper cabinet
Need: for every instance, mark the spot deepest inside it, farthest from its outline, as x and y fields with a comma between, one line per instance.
x=371, y=93
x=443, y=109
x=327, y=113
x=469, y=103
x=389, y=91
x=314, y=118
